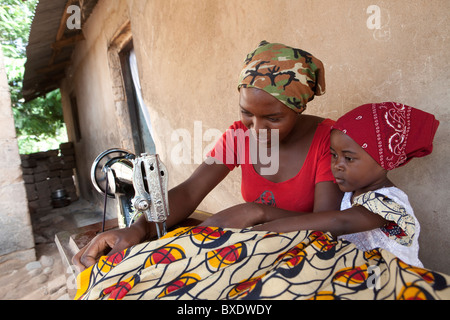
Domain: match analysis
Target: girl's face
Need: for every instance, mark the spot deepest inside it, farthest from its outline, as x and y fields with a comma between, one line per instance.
x=353, y=168
x=262, y=111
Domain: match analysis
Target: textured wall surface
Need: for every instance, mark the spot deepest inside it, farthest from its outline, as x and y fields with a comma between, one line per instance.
x=190, y=53
x=16, y=234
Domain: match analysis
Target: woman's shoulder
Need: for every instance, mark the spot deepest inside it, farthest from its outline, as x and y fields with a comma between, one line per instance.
x=325, y=122
x=318, y=123
x=319, y=129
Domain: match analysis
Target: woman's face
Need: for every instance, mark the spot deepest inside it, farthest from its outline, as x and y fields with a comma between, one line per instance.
x=262, y=111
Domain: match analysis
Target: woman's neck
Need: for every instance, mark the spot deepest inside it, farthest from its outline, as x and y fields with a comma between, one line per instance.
x=305, y=126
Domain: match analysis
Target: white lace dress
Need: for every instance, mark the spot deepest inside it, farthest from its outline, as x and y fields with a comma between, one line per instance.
x=400, y=236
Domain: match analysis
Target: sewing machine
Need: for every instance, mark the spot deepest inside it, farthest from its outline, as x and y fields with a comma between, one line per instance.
x=139, y=184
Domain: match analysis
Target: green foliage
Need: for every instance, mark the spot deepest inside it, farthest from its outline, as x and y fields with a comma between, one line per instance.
x=41, y=119
x=15, y=21
x=32, y=144
x=40, y=116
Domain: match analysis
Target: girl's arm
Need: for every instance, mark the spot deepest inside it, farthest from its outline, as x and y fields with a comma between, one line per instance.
x=247, y=215
x=327, y=198
x=355, y=219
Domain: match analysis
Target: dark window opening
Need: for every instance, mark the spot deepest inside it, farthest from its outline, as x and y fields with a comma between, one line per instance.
x=142, y=139
x=75, y=118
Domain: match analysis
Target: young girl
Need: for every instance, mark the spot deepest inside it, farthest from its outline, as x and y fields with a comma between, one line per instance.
x=366, y=143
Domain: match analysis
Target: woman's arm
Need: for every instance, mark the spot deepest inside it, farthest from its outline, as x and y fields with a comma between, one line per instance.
x=327, y=197
x=355, y=219
x=186, y=197
x=183, y=200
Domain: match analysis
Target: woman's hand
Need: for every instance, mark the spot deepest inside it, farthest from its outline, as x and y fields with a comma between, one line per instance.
x=107, y=243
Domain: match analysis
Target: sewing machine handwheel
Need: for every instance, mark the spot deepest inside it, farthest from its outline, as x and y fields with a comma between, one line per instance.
x=98, y=174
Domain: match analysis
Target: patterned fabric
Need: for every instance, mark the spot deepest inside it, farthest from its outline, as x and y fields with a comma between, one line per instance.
x=402, y=225
x=225, y=264
x=392, y=133
x=291, y=75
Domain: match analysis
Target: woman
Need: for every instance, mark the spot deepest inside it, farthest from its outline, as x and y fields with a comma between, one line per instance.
x=275, y=85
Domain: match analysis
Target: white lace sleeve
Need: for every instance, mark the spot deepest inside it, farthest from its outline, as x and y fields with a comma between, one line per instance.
x=399, y=237
x=401, y=225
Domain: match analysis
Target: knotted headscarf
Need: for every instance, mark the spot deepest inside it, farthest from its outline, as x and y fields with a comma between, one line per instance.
x=291, y=75
x=391, y=133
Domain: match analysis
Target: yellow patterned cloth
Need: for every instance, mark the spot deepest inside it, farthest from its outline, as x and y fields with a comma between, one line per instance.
x=226, y=264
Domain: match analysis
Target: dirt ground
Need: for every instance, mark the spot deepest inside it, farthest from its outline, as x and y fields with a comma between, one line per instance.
x=45, y=278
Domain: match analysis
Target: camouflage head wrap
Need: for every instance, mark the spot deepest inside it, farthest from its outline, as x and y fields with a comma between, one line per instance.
x=291, y=75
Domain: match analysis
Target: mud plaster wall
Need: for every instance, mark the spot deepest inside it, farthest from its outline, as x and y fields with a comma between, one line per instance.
x=190, y=53
x=16, y=234
x=104, y=122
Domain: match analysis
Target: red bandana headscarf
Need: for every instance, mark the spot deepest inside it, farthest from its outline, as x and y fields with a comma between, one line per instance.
x=391, y=133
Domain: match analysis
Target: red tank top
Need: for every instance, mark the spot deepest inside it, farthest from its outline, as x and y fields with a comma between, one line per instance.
x=295, y=194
